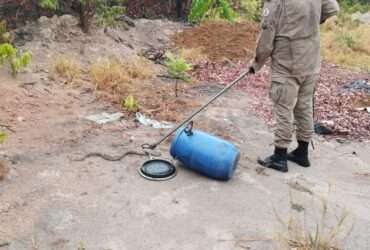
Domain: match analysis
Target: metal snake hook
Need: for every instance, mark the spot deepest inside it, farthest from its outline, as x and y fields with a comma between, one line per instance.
x=188, y=120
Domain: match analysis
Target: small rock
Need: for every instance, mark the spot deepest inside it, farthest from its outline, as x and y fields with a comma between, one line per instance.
x=342, y=141
x=20, y=119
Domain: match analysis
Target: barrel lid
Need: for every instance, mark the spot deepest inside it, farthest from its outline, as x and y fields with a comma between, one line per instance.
x=158, y=170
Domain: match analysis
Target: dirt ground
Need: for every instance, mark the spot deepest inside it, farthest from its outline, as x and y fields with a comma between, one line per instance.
x=49, y=201
x=221, y=40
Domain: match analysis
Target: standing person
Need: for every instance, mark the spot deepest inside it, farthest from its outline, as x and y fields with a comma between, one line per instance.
x=290, y=36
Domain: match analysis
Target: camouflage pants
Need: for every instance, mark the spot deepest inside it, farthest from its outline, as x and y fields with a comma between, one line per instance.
x=292, y=108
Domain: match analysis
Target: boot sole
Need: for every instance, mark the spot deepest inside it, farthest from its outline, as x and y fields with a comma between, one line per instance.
x=300, y=163
x=264, y=164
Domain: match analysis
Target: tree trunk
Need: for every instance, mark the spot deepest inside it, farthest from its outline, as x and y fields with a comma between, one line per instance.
x=87, y=12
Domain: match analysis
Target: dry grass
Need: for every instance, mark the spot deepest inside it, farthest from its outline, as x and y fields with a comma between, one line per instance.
x=67, y=68
x=346, y=43
x=192, y=54
x=121, y=77
x=136, y=77
x=313, y=228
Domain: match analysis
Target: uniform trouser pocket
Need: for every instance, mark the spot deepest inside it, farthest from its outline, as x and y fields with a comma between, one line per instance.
x=275, y=92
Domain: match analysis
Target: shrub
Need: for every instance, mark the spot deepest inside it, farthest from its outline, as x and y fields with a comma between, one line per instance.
x=177, y=68
x=250, y=9
x=120, y=77
x=107, y=14
x=223, y=10
x=48, y=4
x=199, y=9
x=351, y=6
x=16, y=60
x=205, y=9
x=67, y=68
x=314, y=227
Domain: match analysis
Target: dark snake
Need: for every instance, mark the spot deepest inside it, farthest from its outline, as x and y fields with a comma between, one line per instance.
x=116, y=158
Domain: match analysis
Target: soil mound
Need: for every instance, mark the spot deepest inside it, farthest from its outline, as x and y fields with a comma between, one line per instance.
x=221, y=40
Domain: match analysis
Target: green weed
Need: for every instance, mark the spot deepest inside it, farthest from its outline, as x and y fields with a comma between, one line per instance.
x=177, y=68
x=16, y=60
x=130, y=104
x=3, y=136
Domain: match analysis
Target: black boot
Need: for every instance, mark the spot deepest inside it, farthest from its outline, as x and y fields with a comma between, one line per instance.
x=277, y=161
x=300, y=154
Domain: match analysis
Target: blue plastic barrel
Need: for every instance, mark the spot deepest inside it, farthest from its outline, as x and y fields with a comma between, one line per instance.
x=204, y=153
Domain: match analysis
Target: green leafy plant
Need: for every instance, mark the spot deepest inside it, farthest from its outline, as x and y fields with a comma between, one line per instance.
x=250, y=9
x=198, y=10
x=130, y=103
x=223, y=10
x=3, y=136
x=205, y=9
x=177, y=69
x=16, y=60
x=48, y=4
x=107, y=14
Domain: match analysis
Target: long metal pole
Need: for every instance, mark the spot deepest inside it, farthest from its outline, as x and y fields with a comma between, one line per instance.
x=188, y=119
